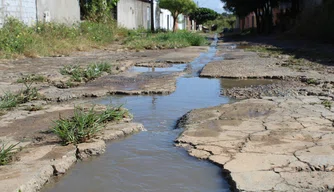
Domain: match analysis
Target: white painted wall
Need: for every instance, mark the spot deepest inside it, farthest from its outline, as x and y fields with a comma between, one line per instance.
x=133, y=14
x=25, y=10
x=61, y=11
x=166, y=20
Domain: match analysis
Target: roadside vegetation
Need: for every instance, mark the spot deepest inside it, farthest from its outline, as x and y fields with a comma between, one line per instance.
x=86, y=124
x=167, y=40
x=6, y=153
x=52, y=39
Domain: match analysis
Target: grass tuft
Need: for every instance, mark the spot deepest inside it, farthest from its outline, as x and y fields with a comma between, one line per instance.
x=6, y=153
x=92, y=72
x=85, y=124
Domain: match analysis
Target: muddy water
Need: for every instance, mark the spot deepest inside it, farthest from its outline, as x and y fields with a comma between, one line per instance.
x=148, y=161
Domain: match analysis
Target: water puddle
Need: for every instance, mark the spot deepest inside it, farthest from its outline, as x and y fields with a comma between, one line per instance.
x=173, y=68
x=149, y=161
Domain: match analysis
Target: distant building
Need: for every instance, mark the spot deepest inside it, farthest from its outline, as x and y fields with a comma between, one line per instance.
x=32, y=11
x=133, y=14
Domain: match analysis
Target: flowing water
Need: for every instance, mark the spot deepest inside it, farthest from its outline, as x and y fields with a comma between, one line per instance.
x=149, y=161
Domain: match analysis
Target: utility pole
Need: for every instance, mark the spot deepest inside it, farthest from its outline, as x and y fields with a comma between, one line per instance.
x=152, y=16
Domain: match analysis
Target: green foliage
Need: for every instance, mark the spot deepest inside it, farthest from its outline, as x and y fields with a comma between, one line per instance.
x=222, y=21
x=166, y=40
x=8, y=101
x=6, y=153
x=177, y=7
x=97, y=10
x=84, y=125
x=79, y=74
x=14, y=35
x=48, y=39
x=202, y=15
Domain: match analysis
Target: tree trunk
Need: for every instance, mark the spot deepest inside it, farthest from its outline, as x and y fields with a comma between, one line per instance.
x=258, y=24
x=174, y=23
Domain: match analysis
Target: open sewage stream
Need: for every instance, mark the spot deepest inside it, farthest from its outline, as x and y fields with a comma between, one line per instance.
x=149, y=161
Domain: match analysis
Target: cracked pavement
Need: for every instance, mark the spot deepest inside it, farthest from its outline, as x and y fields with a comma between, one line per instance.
x=269, y=144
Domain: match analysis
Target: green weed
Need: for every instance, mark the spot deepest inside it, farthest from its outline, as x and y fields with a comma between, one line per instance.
x=327, y=104
x=79, y=74
x=8, y=101
x=6, y=153
x=85, y=124
x=164, y=40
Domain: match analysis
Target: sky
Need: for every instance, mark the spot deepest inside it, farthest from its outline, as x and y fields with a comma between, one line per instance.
x=216, y=5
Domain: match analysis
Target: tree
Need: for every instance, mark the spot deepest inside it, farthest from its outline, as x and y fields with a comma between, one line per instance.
x=261, y=8
x=202, y=15
x=177, y=7
x=97, y=10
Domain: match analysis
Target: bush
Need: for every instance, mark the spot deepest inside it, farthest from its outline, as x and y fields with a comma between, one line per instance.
x=84, y=125
x=164, y=40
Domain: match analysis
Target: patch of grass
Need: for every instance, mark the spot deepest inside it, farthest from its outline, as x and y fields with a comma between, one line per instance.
x=164, y=40
x=32, y=78
x=85, y=124
x=79, y=74
x=10, y=100
x=6, y=153
x=50, y=39
x=327, y=104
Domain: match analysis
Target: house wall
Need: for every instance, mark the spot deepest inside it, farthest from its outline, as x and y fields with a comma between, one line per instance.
x=166, y=20
x=61, y=11
x=25, y=10
x=133, y=14
x=247, y=22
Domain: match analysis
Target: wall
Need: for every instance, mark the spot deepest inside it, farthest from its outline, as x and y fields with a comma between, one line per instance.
x=166, y=20
x=25, y=10
x=61, y=11
x=133, y=14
